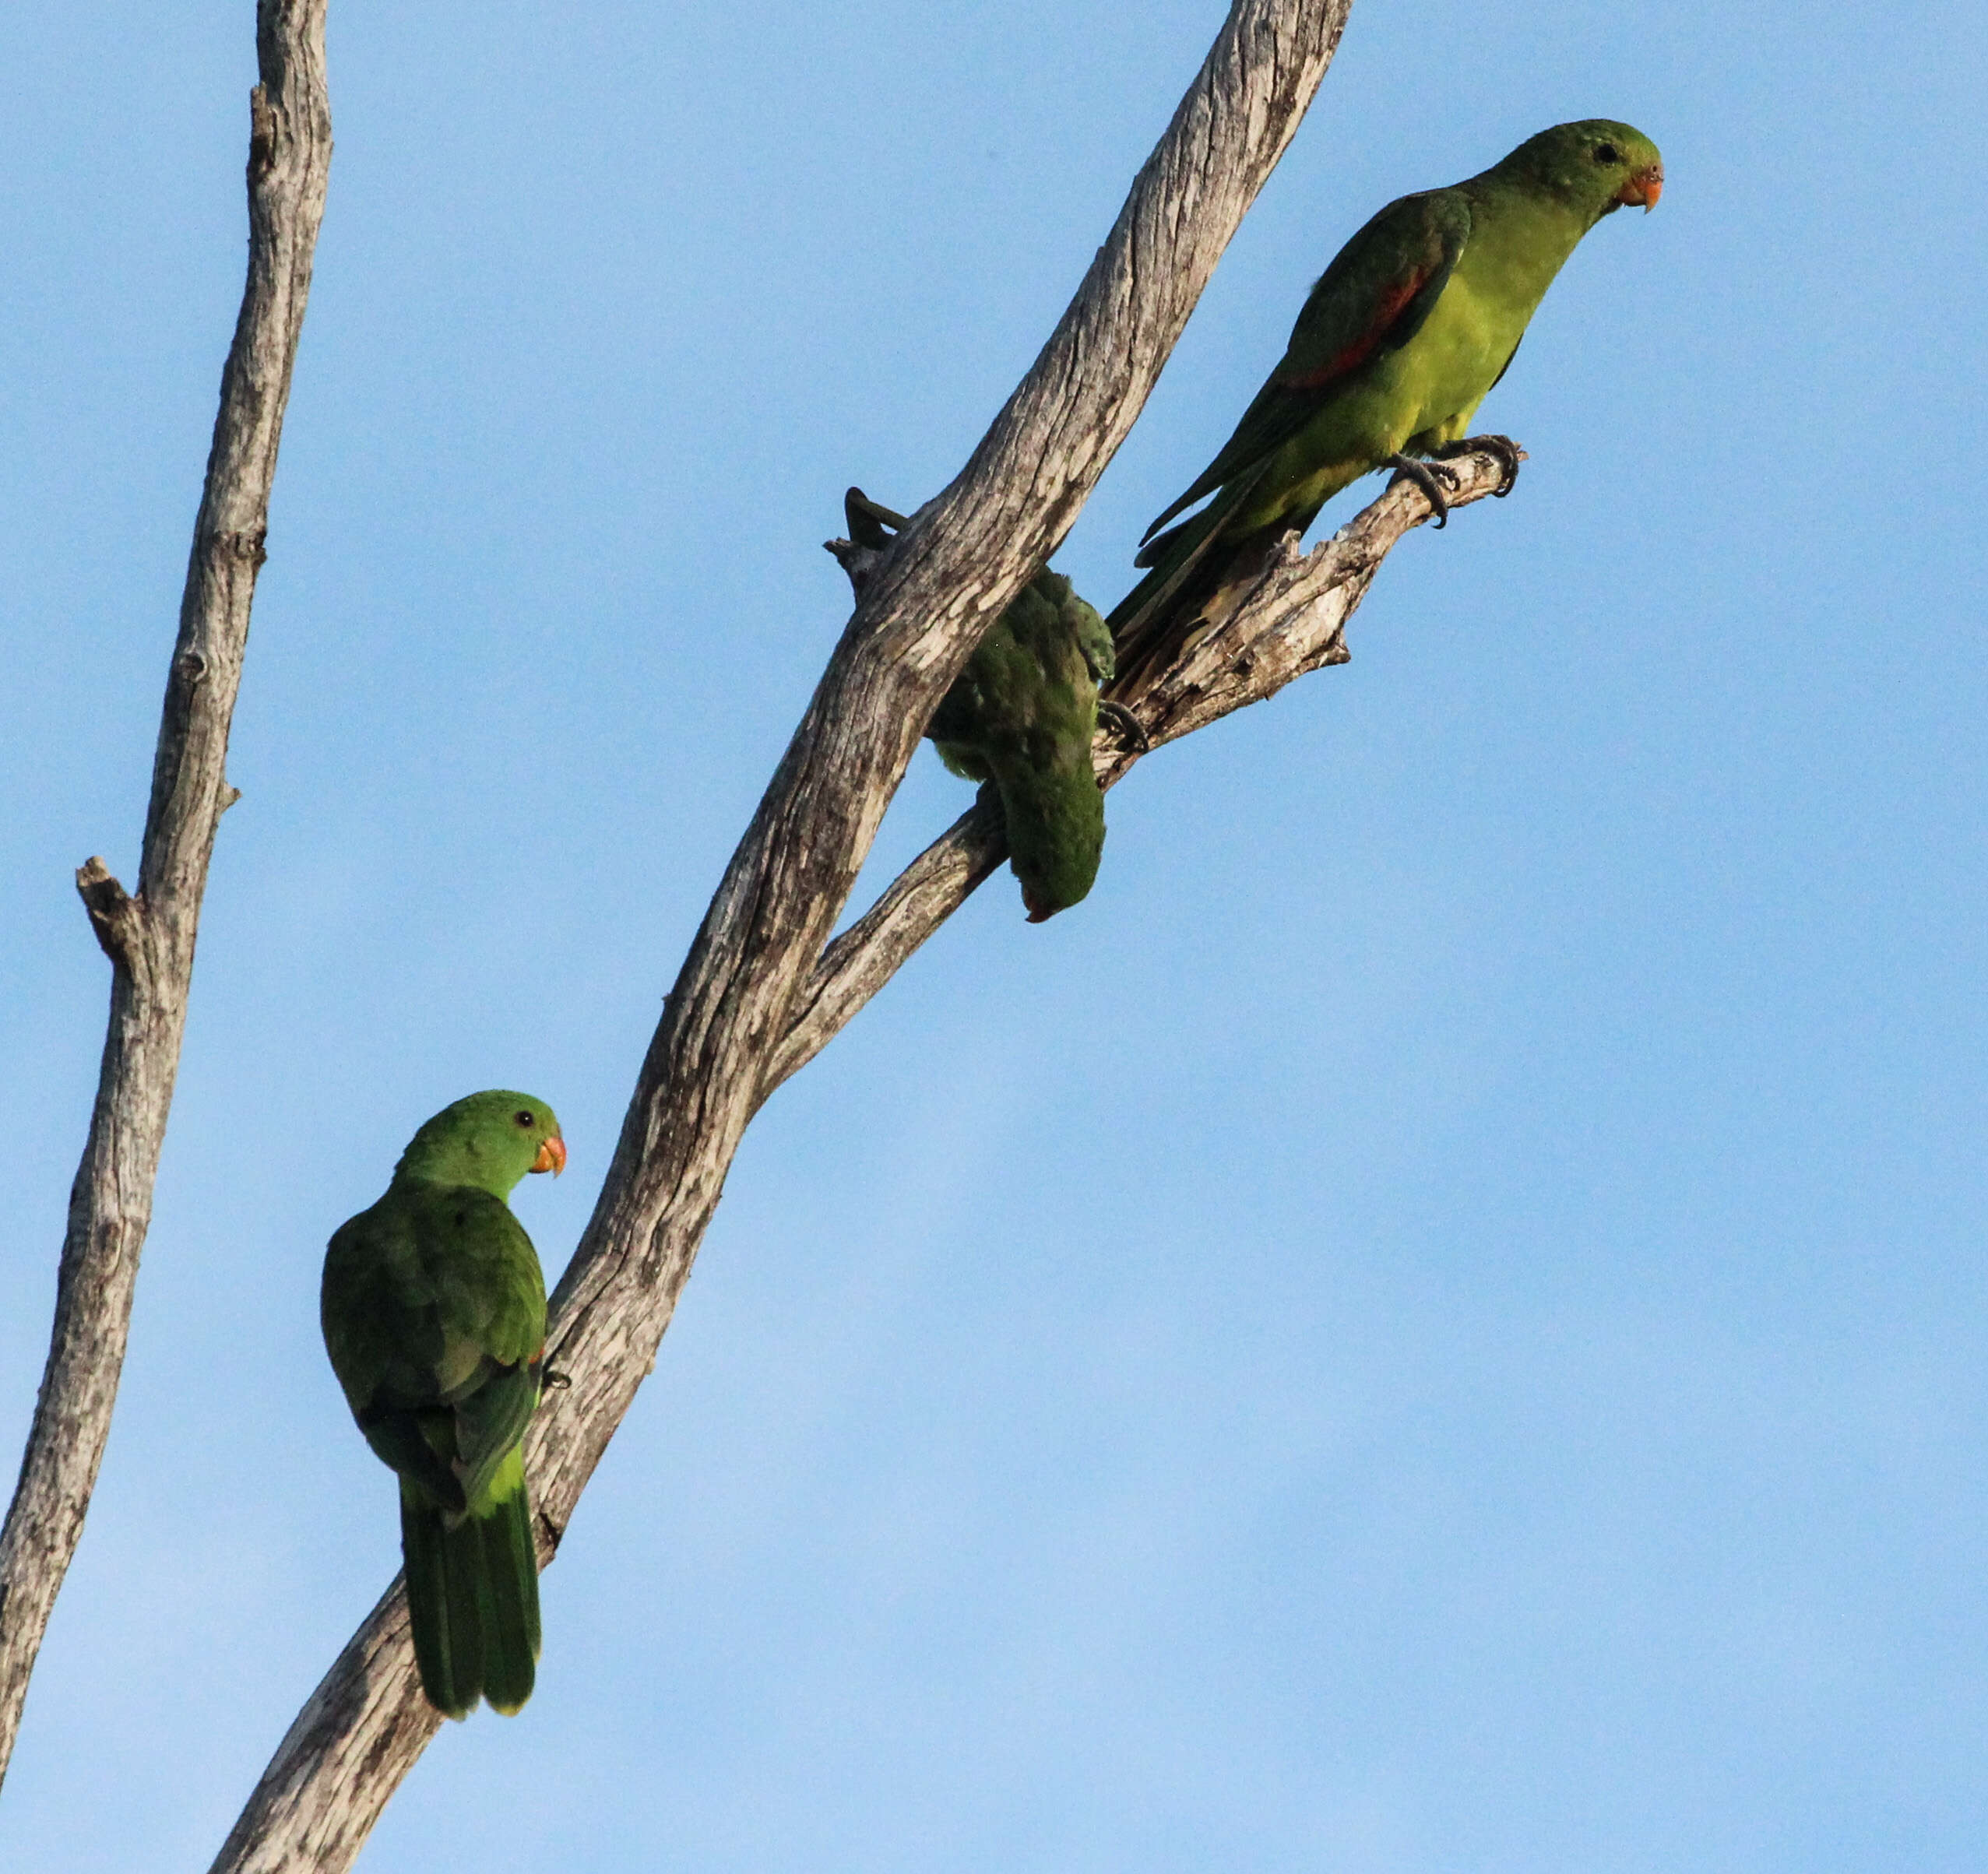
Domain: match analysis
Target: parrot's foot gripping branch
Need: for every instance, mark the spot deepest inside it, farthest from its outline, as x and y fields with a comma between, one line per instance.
x=1507, y=452
x=1434, y=480
x=1429, y=477
x=1130, y=731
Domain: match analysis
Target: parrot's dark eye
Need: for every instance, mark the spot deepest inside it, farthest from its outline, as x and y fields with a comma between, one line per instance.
x=525, y=1118
x=1607, y=153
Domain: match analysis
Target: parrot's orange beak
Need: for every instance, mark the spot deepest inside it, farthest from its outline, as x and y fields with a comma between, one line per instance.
x=1642, y=188
x=551, y=1156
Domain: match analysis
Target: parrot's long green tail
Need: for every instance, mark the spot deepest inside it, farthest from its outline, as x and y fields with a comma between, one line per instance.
x=472, y=1595
x=1188, y=564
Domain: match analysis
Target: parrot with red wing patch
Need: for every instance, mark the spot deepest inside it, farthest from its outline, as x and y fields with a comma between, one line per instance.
x=1403, y=337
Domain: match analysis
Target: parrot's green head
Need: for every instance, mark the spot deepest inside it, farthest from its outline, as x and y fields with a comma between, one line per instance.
x=1597, y=166
x=489, y=1141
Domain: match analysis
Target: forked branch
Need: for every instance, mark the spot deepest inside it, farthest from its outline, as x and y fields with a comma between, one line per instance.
x=954, y=569
x=1293, y=622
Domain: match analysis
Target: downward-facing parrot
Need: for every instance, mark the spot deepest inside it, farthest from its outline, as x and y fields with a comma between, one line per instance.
x=433, y=1313
x=1023, y=714
x=1402, y=338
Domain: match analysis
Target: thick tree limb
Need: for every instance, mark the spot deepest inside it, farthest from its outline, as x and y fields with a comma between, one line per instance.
x=150, y=936
x=1294, y=622
x=950, y=574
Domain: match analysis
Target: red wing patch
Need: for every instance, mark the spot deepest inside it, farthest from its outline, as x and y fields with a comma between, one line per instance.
x=1392, y=303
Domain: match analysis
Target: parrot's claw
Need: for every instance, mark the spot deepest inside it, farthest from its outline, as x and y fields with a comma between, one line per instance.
x=1508, y=453
x=551, y=1382
x=1429, y=477
x=1130, y=730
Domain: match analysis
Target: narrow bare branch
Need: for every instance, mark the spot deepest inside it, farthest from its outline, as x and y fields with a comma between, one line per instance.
x=872, y=950
x=148, y=936
x=113, y=914
x=1295, y=621
x=944, y=579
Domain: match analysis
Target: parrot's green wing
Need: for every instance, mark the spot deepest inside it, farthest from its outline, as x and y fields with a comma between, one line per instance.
x=1374, y=298
x=490, y=1421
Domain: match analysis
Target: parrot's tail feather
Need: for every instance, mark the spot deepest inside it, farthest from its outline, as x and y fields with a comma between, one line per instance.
x=445, y=1630
x=1180, y=550
x=1210, y=567
x=510, y=1584
x=1149, y=622
x=473, y=1596
x=1161, y=545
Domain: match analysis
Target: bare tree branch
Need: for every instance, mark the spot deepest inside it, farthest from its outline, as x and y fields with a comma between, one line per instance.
x=947, y=576
x=150, y=936
x=1294, y=622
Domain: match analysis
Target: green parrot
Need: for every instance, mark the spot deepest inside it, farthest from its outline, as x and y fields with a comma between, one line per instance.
x=433, y=1313
x=1023, y=714
x=1403, y=337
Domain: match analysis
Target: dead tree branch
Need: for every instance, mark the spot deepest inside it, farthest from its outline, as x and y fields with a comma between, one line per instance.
x=148, y=935
x=950, y=574
x=1294, y=622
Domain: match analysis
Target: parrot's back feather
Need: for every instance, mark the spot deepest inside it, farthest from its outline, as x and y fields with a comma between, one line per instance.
x=395, y=1433
x=1022, y=714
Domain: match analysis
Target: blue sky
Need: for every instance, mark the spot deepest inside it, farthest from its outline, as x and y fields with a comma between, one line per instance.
x=1436, y=1323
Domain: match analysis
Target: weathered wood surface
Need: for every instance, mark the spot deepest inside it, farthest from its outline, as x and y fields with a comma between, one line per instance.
x=954, y=569
x=148, y=935
x=1294, y=622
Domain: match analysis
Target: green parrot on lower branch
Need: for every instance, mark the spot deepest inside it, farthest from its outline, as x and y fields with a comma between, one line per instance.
x=1022, y=715
x=1402, y=338
x=433, y=1313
